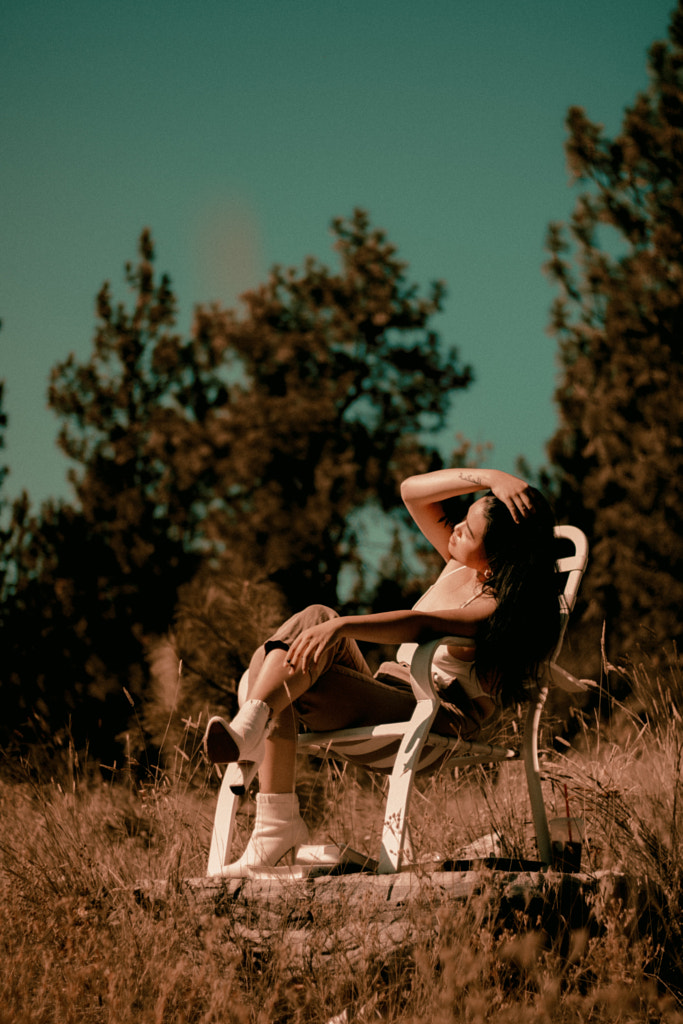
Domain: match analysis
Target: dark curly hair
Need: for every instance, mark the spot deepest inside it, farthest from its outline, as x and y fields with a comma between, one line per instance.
x=525, y=626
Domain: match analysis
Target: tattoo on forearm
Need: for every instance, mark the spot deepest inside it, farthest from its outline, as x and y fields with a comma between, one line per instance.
x=471, y=478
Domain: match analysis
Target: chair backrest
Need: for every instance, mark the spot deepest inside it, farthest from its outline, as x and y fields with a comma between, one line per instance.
x=572, y=556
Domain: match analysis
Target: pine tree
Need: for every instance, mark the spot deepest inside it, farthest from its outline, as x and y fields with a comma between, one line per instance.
x=135, y=421
x=617, y=456
x=340, y=373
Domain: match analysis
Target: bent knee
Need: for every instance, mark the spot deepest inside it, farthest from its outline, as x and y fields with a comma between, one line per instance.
x=320, y=611
x=309, y=616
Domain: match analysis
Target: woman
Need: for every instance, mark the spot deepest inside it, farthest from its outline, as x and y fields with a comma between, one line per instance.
x=497, y=593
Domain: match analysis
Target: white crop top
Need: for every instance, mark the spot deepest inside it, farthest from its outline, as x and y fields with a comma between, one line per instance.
x=445, y=666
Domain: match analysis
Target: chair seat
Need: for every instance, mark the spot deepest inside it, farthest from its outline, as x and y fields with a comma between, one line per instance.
x=376, y=748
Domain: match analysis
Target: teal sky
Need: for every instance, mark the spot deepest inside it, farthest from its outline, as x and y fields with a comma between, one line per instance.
x=237, y=130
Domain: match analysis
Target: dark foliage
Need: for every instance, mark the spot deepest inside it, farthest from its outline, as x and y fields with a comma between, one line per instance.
x=247, y=453
x=617, y=458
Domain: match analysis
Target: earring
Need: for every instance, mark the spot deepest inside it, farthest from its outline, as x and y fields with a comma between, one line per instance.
x=488, y=573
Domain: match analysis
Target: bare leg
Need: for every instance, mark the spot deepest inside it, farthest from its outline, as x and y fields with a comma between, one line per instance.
x=277, y=686
x=277, y=771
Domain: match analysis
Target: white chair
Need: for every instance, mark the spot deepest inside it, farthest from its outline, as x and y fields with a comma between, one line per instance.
x=419, y=750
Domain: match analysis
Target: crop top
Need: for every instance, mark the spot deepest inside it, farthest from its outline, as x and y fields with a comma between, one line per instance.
x=445, y=666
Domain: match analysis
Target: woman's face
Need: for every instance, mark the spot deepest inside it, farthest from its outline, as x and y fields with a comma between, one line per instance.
x=466, y=543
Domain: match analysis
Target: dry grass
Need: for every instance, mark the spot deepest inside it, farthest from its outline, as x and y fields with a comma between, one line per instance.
x=78, y=946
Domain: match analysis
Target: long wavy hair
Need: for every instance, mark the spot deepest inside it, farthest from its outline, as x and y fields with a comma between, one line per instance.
x=525, y=626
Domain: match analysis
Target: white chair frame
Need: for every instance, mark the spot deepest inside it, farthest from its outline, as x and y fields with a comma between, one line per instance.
x=419, y=747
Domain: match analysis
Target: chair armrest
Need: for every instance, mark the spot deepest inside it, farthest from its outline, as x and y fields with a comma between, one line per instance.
x=421, y=665
x=554, y=675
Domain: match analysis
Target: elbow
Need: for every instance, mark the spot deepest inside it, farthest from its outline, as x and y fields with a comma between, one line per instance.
x=407, y=489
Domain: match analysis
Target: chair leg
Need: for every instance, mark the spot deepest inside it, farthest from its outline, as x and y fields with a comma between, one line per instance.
x=227, y=806
x=401, y=787
x=533, y=776
x=408, y=847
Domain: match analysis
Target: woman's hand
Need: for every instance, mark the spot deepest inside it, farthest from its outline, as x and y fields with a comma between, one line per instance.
x=515, y=493
x=311, y=643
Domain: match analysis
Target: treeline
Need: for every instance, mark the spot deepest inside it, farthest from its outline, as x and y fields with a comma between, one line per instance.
x=219, y=480
x=617, y=457
x=224, y=478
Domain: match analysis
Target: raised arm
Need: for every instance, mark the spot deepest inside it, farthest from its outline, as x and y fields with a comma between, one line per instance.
x=424, y=494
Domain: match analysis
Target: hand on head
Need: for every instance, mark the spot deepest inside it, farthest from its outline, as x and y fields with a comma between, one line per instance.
x=517, y=496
